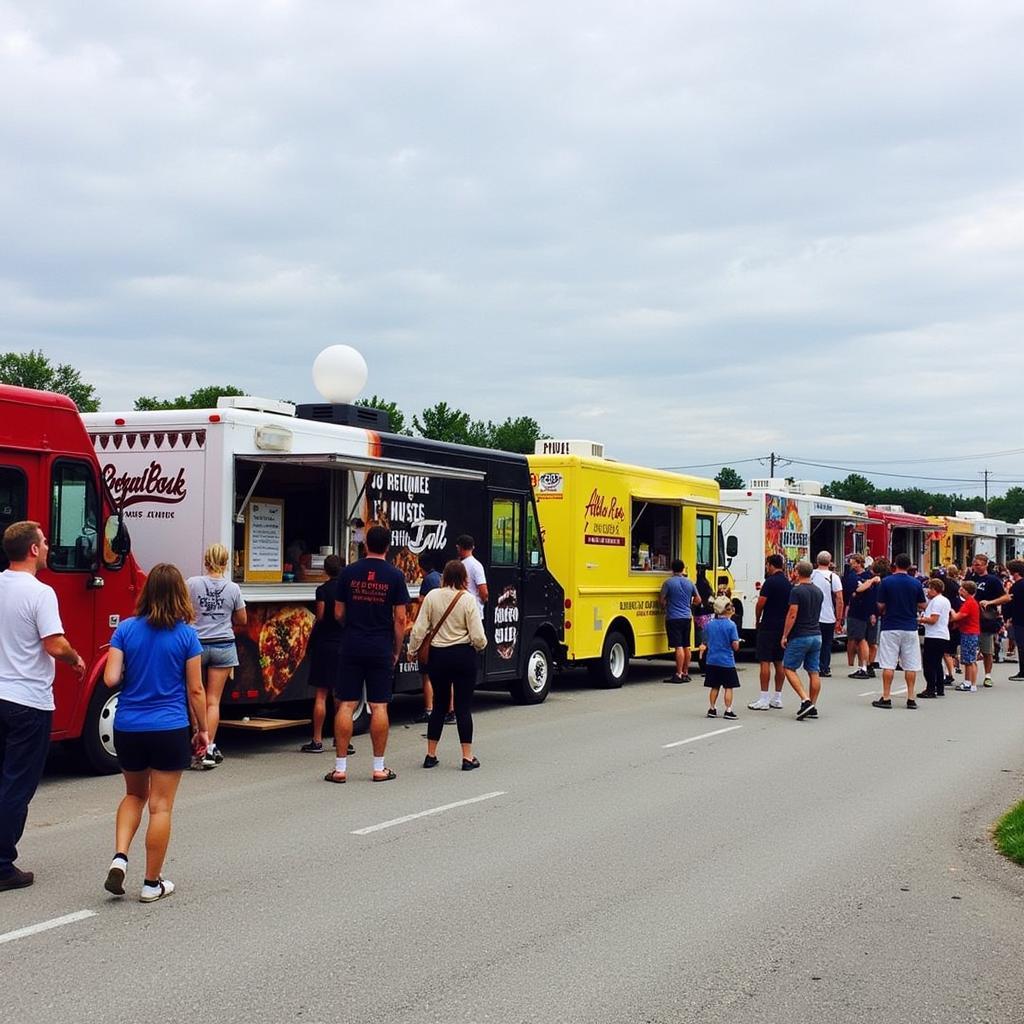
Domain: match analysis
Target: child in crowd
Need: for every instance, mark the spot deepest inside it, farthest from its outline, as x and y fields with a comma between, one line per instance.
x=721, y=642
x=968, y=619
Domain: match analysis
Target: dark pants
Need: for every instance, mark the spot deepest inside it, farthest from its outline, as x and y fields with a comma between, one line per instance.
x=931, y=662
x=452, y=668
x=24, y=742
x=828, y=631
x=1018, y=639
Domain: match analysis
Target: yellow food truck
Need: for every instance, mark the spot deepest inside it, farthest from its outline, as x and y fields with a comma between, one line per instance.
x=611, y=532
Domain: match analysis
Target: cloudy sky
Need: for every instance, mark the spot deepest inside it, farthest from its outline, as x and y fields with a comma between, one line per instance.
x=696, y=231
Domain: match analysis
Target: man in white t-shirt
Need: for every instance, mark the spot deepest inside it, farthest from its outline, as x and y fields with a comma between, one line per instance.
x=31, y=636
x=474, y=570
x=831, y=587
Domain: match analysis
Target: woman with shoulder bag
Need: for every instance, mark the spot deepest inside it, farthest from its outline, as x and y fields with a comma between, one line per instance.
x=449, y=632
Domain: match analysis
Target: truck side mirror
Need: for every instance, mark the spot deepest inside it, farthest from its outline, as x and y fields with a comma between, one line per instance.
x=117, y=542
x=732, y=546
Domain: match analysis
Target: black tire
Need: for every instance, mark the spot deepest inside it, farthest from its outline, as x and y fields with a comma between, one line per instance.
x=95, y=747
x=612, y=669
x=536, y=684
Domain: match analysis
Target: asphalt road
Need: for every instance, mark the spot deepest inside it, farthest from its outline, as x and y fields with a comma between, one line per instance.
x=836, y=870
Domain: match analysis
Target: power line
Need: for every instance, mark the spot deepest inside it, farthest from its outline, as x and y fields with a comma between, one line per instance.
x=900, y=476
x=939, y=458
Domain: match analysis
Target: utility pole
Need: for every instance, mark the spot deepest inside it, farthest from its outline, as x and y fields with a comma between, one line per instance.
x=986, y=474
x=771, y=472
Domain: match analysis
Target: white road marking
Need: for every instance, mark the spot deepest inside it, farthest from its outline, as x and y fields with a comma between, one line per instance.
x=702, y=736
x=893, y=693
x=423, y=814
x=45, y=926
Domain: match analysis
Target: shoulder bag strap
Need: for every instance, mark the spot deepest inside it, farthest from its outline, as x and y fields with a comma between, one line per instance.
x=429, y=639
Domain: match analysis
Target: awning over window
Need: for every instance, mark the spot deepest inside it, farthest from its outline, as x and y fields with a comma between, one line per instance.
x=364, y=464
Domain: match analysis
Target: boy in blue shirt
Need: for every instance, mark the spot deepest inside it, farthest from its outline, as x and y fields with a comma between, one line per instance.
x=721, y=642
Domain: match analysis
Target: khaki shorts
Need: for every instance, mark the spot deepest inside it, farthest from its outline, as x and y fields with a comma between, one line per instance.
x=987, y=643
x=899, y=647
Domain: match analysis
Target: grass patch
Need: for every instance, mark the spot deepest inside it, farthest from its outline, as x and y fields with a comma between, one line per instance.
x=1009, y=834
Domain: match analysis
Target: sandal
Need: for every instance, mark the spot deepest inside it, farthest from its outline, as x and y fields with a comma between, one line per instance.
x=333, y=777
x=386, y=776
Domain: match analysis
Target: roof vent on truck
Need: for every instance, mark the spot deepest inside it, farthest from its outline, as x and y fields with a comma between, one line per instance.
x=254, y=404
x=584, y=449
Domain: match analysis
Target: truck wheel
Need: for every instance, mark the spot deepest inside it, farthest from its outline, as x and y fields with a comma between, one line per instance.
x=534, y=688
x=611, y=670
x=96, y=745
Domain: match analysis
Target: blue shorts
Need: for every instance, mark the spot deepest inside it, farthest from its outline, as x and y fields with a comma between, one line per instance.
x=969, y=648
x=219, y=654
x=803, y=652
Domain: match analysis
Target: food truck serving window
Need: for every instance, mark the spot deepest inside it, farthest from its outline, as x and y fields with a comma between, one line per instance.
x=505, y=527
x=654, y=541
x=74, y=518
x=705, y=547
x=13, y=493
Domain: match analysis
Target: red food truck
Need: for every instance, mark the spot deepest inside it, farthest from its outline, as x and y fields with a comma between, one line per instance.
x=49, y=473
x=890, y=532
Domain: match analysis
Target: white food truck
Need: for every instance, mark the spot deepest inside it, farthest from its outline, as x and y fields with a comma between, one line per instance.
x=791, y=519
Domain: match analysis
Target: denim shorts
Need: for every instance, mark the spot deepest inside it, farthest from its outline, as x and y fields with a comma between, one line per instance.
x=803, y=652
x=219, y=654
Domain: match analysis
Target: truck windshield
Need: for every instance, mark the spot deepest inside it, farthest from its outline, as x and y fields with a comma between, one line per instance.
x=705, y=545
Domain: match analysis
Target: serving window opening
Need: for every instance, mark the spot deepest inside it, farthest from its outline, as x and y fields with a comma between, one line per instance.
x=308, y=497
x=654, y=537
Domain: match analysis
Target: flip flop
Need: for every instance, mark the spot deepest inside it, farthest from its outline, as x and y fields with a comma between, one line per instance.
x=386, y=776
x=333, y=777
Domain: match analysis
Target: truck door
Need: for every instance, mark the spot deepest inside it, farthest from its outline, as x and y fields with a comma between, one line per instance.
x=13, y=500
x=74, y=532
x=505, y=586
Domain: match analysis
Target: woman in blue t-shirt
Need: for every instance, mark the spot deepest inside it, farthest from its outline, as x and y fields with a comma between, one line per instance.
x=158, y=655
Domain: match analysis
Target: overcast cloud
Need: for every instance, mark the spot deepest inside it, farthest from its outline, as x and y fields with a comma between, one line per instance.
x=694, y=231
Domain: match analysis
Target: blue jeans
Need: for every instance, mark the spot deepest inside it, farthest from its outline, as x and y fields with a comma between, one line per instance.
x=802, y=652
x=24, y=743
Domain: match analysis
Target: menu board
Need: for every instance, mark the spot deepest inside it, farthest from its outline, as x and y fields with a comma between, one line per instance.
x=264, y=541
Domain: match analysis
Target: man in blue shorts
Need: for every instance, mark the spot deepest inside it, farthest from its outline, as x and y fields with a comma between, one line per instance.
x=371, y=601
x=801, y=639
x=678, y=597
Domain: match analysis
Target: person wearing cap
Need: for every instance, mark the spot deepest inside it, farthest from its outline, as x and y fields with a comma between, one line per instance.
x=721, y=642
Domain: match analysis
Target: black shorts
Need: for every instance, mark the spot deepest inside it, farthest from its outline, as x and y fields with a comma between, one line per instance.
x=716, y=676
x=375, y=672
x=678, y=631
x=954, y=641
x=166, y=750
x=769, y=644
x=323, y=665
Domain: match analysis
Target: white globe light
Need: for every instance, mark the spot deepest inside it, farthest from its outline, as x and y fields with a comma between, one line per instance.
x=339, y=374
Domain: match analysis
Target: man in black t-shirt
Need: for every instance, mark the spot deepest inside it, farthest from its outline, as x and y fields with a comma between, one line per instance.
x=769, y=618
x=1015, y=612
x=990, y=588
x=370, y=602
x=801, y=639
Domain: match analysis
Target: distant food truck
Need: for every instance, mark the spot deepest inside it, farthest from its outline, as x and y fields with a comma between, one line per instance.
x=891, y=531
x=49, y=474
x=283, y=488
x=792, y=519
x=611, y=533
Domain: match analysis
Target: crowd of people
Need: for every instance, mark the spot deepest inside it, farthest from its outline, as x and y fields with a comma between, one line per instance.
x=946, y=625
x=174, y=656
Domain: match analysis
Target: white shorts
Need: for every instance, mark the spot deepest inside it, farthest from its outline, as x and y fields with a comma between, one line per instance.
x=899, y=647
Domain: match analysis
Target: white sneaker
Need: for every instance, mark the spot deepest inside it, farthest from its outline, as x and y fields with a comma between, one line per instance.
x=761, y=704
x=776, y=703
x=152, y=893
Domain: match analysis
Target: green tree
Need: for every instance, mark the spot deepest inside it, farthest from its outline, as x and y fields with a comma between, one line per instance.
x=201, y=398
x=1010, y=507
x=441, y=422
x=515, y=435
x=34, y=370
x=854, y=488
x=395, y=414
x=728, y=479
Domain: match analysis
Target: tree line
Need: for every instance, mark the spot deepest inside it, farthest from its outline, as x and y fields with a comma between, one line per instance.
x=439, y=422
x=1008, y=507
